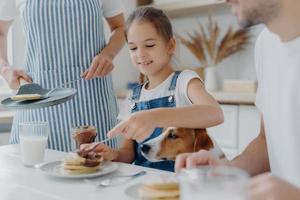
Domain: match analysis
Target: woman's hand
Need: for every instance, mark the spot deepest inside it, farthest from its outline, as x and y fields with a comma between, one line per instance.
x=100, y=66
x=101, y=149
x=191, y=160
x=266, y=186
x=139, y=126
x=13, y=76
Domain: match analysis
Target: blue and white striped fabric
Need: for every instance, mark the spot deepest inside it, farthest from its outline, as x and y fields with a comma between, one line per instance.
x=63, y=36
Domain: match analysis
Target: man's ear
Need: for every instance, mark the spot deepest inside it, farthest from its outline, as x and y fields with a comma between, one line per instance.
x=172, y=46
x=202, y=140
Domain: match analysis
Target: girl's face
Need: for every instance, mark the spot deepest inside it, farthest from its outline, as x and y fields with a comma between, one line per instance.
x=149, y=51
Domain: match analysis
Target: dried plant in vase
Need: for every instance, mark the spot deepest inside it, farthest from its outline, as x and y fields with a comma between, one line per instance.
x=209, y=47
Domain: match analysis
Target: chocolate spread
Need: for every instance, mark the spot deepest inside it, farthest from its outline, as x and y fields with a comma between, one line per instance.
x=84, y=135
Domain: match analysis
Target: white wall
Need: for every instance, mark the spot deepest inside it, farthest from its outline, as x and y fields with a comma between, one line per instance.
x=124, y=71
x=239, y=66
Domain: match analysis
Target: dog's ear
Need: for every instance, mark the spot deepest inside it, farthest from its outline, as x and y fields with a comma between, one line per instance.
x=202, y=140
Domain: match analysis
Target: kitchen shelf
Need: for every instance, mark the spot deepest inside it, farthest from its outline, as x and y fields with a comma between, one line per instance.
x=191, y=7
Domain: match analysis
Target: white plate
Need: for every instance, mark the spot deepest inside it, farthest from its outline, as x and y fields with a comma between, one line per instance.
x=55, y=169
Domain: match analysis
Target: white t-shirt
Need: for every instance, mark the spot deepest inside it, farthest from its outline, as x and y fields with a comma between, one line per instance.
x=278, y=98
x=9, y=9
x=162, y=90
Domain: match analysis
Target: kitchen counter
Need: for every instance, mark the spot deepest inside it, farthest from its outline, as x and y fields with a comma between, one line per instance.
x=234, y=97
x=6, y=117
x=237, y=98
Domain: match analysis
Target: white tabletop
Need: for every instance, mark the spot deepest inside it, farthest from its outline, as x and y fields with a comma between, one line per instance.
x=20, y=183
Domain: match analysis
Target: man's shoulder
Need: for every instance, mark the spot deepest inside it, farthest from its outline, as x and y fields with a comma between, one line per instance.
x=267, y=37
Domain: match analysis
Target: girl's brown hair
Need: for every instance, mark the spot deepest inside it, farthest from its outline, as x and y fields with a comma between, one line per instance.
x=157, y=18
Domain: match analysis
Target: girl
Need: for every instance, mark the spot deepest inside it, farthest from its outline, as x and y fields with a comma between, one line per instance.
x=168, y=98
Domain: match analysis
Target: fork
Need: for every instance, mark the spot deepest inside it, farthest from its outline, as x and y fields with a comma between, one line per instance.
x=109, y=181
x=92, y=147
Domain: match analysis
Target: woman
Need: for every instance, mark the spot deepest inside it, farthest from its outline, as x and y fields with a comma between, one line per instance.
x=64, y=42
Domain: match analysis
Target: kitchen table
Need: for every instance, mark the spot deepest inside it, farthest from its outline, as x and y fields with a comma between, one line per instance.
x=21, y=183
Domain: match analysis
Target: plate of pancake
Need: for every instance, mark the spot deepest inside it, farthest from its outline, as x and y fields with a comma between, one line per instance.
x=76, y=166
x=162, y=188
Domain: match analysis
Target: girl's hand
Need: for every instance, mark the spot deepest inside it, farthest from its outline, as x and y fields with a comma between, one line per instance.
x=138, y=127
x=100, y=66
x=266, y=186
x=101, y=149
x=13, y=76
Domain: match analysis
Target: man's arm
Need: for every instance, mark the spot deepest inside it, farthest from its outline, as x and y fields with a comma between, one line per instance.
x=117, y=38
x=10, y=74
x=254, y=159
x=102, y=63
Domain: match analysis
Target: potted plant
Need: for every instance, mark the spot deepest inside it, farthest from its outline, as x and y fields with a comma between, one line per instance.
x=210, y=48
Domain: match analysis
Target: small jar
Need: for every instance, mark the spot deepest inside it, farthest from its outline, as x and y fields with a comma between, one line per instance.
x=83, y=135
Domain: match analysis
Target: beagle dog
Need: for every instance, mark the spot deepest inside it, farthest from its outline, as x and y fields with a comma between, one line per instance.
x=174, y=141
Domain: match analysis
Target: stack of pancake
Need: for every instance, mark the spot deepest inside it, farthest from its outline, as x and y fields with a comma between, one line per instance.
x=82, y=162
x=156, y=191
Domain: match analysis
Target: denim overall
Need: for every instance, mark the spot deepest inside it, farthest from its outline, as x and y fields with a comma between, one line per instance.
x=167, y=101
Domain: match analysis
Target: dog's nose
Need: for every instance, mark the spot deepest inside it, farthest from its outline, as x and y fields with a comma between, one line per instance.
x=145, y=148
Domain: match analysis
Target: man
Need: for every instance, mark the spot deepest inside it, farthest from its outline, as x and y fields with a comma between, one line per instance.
x=277, y=148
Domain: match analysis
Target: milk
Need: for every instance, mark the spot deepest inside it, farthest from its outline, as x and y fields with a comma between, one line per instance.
x=32, y=149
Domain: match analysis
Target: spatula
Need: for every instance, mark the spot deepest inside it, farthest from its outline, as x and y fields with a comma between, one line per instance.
x=33, y=91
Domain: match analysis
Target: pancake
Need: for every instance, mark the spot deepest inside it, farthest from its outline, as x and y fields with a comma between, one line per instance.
x=75, y=164
x=24, y=97
x=168, y=191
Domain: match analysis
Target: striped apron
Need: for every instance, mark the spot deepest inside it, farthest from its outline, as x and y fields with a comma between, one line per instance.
x=63, y=36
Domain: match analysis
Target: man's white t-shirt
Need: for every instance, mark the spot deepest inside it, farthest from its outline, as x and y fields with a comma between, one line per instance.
x=9, y=9
x=162, y=90
x=278, y=98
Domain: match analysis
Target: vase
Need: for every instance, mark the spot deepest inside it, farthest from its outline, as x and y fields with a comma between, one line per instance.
x=210, y=78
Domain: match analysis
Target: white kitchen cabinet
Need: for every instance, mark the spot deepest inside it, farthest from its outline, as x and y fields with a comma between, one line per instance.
x=241, y=125
x=226, y=134
x=249, y=125
x=4, y=138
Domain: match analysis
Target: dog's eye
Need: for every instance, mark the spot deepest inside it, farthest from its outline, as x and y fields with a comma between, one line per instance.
x=172, y=136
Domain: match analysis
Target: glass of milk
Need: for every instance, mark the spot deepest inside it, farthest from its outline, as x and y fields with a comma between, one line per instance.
x=213, y=183
x=33, y=142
